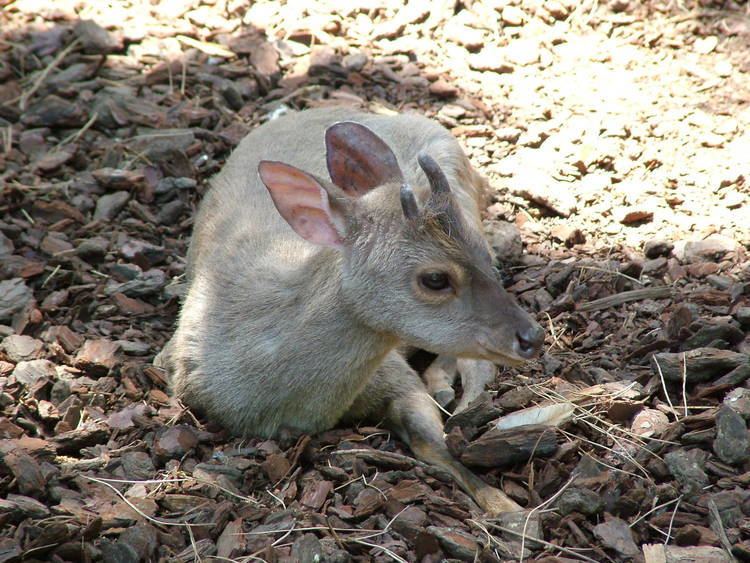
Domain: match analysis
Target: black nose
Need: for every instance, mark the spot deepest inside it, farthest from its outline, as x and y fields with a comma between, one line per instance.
x=529, y=341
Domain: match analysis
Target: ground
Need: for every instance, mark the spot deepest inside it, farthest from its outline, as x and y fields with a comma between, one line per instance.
x=616, y=138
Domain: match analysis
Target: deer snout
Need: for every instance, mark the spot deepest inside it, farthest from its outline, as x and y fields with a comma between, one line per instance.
x=529, y=341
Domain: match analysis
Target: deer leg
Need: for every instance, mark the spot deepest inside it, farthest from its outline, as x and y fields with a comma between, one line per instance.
x=397, y=396
x=439, y=378
x=475, y=376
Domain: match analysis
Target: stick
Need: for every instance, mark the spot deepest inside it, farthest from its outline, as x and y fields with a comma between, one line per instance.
x=545, y=503
x=543, y=542
x=714, y=521
x=684, y=383
x=664, y=388
x=140, y=512
x=77, y=135
x=625, y=297
x=671, y=521
x=43, y=75
x=379, y=458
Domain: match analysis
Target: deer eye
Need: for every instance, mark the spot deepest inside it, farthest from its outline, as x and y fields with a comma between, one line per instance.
x=435, y=281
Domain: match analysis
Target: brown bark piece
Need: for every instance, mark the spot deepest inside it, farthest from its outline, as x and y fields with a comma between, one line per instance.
x=506, y=447
x=699, y=365
x=97, y=357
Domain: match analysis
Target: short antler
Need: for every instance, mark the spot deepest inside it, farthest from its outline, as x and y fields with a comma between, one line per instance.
x=438, y=181
x=409, y=202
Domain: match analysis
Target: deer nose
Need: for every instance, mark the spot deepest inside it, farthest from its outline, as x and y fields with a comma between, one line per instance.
x=529, y=341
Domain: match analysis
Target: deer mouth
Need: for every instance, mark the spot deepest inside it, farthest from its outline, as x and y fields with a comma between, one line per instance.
x=501, y=357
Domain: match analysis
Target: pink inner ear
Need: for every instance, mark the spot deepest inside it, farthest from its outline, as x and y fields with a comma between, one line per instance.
x=314, y=225
x=303, y=203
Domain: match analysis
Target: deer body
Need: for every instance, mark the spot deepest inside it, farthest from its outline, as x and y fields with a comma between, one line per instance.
x=301, y=281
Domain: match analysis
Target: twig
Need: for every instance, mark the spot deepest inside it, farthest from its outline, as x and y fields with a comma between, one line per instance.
x=613, y=272
x=439, y=406
x=545, y=503
x=714, y=521
x=100, y=274
x=43, y=75
x=211, y=49
x=654, y=528
x=671, y=521
x=387, y=551
x=684, y=383
x=572, y=436
x=555, y=336
x=544, y=543
x=391, y=521
x=485, y=530
x=7, y=139
x=336, y=537
x=183, y=79
x=193, y=544
x=625, y=297
x=29, y=218
x=178, y=480
x=171, y=79
x=381, y=457
x=664, y=387
x=364, y=480
x=52, y=275
x=286, y=535
x=314, y=529
x=360, y=540
x=73, y=137
x=27, y=553
x=654, y=509
x=139, y=511
x=636, y=441
x=281, y=502
x=490, y=537
x=619, y=442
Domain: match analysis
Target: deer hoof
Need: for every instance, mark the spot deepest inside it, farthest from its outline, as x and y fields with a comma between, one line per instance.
x=495, y=502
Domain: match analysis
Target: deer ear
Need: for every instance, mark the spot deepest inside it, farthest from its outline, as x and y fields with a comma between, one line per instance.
x=303, y=203
x=358, y=160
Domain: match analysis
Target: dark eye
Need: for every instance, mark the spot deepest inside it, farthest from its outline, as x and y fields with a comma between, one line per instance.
x=435, y=281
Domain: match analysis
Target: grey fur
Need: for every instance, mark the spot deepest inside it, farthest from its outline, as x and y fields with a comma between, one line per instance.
x=276, y=333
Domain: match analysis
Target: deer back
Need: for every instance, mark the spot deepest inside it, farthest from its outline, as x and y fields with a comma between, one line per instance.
x=238, y=210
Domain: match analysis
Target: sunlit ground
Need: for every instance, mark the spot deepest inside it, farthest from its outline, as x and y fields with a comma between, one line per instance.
x=600, y=117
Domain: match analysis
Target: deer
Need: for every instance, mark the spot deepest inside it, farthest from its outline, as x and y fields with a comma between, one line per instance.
x=331, y=241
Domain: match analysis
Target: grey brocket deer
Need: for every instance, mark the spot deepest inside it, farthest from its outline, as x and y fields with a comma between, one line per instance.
x=331, y=239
